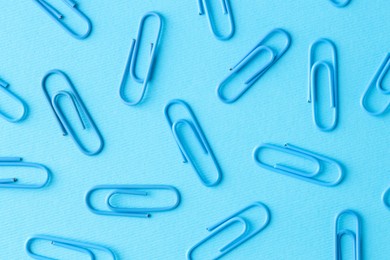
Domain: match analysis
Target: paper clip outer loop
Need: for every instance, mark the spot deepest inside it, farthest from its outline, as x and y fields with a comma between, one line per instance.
x=81, y=247
x=130, y=189
x=377, y=81
x=339, y=3
x=57, y=16
x=346, y=232
x=17, y=162
x=226, y=9
x=80, y=108
x=244, y=235
x=386, y=198
x=197, y=130
x=332, y=69
x=294, y=150
x=4, y=86
x=260, y=47
x=132, y=61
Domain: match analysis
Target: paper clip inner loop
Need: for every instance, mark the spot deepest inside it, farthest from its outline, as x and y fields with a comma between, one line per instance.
x=82, y=112
x=58, y=17
x=339, y=233
x=199, y=135
x=132, y=61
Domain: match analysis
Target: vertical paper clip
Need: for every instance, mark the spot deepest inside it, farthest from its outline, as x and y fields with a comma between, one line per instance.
x=4, y=86
x=13, y=182
x=132, y=61
x=340, y=3
x=299, y=174
x=244, y=236
x=58, y=17
x=137, y=190
x=312, y=96
x=82, y=247
x=377, y=81
x=386, y=198
x=204, y=9
x=82, y=112
x=197, y=130
x=339, y=233
x=262, y=46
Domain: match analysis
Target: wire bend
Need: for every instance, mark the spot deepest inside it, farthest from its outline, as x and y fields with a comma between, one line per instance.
x=331, y=67
x=132, y=61
x=199, y=135
x=82, y=112
x=4, y=87
x=340, y=3
x=82, y=247
x=58, y=17
x=137, y=190
x=226, y=9
x=260, y=47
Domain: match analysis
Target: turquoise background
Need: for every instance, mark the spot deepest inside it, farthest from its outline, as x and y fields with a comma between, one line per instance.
x=140, y=148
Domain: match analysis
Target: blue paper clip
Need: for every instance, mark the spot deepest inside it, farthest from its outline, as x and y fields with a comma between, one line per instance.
x=4, y=86
x=58, y=17
x=340, y=3
x=80, y=109
x=204, y=9
x=386, y=198
x=244, y=236
x=132, y=61
x=299, y=174
x=138, y=190
x=262, y=46
x=13, y=182
x=377, y=81
x=197, y=130
x=82, y=247
x=339, y=233
x=333, y=88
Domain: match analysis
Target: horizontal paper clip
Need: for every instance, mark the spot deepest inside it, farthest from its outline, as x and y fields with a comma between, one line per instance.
x=244, y=236
x=204, y=9
x=137, y=190
x=262, y=46
x=13, y=182
x=82, y=247
x=58, y=17
x=296, y=173
x=197, y=130
x=377, y=82
x=82, y=112
x=340, y=3
x=386, y=198
x=4, y=86
x=331, y=67
x=132, y=61
x=339, y=233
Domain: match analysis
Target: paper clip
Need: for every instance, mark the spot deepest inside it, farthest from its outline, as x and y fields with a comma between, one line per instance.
x=296, y=173
x=386, y=198
x=244, y=236
x=13, y=182
x=138, y=190
x=332, y=76
x=339, y=233
x=4, y=86
x=132, y=61
x=340, y=3
x=197, y=130
x=82, y=112
x=82, y=247
x=260, y=47
x=204, y=9
x=58, y=17
x=377, y=81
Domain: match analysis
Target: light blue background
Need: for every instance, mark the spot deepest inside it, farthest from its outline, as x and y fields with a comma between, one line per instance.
x=139, y=146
